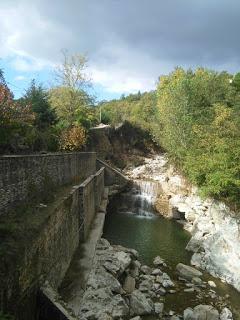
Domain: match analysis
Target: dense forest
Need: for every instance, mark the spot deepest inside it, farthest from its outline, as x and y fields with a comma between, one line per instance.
x=194, y=116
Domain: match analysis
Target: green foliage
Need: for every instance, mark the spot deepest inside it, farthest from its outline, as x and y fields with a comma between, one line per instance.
x=195, y=117
x=73, y=106
x=5, y=316
x=200, y=128
x=37, y=98
x=139, y=109
x=15, y=118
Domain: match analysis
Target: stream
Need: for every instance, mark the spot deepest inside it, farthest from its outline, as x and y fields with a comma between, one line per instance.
x=131, y=221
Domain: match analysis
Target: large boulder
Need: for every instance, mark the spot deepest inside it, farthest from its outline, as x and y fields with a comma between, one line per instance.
x=226, y=314
x=117, y=262
x=158, y=261
x=187, y=272
x=201, y=312
x=139, y=304
x=97, y=303
x=100, y=278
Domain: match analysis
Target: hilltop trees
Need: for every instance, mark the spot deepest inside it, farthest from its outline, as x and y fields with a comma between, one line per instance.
x=195, y=117
x=200, y=128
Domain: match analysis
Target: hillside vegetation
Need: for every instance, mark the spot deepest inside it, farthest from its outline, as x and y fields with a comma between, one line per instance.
x=194, y=116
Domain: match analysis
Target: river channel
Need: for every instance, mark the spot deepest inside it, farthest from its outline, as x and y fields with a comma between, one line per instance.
x=132, y=222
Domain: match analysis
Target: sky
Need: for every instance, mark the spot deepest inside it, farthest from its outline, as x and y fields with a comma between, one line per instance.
x=129, y=43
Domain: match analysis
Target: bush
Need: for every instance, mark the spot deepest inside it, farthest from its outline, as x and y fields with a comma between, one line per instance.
x=73, y=139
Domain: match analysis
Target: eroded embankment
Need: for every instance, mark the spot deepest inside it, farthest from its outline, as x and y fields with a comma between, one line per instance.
x=214, y=228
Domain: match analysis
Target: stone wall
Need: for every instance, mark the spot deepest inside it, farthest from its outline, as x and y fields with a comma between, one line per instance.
x=21, y=176
x=47, y=253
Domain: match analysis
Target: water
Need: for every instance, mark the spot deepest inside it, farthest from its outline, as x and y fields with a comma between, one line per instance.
x=132, y=222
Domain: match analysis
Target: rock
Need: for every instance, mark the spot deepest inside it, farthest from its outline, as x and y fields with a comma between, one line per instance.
x=100, y=278
x=201, y=312
x=124, y=259
x=226, y=314
x=132, y=252
x=129, y=284
x=139, y=304
x=189, y=285
x=97, y=303
x=172, y=291
x=146, y=285
x=212, y=284
x=146, y=269
x=137, y=264
x=117, y=262
x=187, y=272
x=156, y=272
x=161, y=291
x=105, y=316
x=165, y=280
x=188, y=314
x=156, y=286
x=196, y=281
x=158, y=261
x=171, y=312
x=134, y=271
x=103, y=244
x=189, y=290
x=158, y=307
x=136, y=318
x=174, y=318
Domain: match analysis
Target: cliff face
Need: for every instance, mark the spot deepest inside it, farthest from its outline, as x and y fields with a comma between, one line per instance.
x=122, y=145
x=215, y=229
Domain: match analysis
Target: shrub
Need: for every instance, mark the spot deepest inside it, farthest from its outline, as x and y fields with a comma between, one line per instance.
x=73, y=139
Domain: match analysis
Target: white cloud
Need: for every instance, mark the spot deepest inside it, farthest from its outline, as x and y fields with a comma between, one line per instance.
x=20, y=78
x=24, y=64
x=128, y=49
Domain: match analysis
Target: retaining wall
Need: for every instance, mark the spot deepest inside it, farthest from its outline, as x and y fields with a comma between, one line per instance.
x=91, y=193
x=22, y=176
x=111, y=175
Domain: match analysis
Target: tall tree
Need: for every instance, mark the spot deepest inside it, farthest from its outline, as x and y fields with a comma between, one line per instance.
x=37, y=97
x=70, y=98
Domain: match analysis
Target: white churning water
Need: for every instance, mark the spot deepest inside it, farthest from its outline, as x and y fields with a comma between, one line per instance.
x=140, y=199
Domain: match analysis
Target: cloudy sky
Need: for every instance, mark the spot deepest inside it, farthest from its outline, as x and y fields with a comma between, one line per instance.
x=129, y=43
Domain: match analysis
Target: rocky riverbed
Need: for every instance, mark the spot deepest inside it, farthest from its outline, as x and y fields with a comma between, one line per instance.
x=120, y=287
x=215, y=230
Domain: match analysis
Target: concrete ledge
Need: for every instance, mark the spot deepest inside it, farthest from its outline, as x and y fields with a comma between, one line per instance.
x=51, y=307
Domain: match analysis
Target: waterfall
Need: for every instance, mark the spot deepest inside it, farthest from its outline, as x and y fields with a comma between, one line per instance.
x=140, y=199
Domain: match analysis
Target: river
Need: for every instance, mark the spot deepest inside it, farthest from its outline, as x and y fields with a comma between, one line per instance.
x=132, y=222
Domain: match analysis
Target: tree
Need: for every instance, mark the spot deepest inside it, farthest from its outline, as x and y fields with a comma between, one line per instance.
x=72, y=106
x=69, y=98
x=37, y=98
x=236, y=81
x=15, y=118
x=71, y=72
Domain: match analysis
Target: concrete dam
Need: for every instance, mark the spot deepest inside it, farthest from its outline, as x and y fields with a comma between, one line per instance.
x=49, y=206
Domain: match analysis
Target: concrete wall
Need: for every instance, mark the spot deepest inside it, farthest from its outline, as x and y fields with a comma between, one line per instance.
x=44, y=255
x=112, y=176
x=91, y=193
x=42, y=249
x=21, y=176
